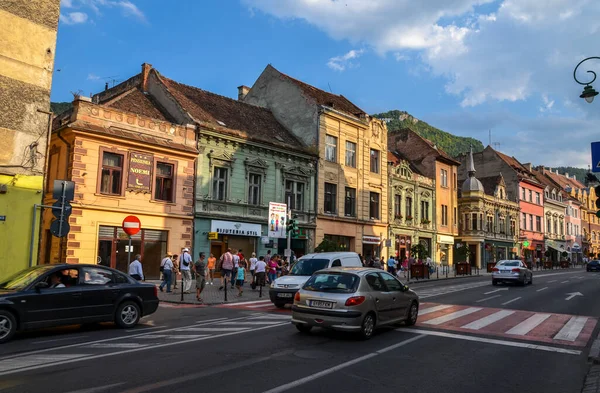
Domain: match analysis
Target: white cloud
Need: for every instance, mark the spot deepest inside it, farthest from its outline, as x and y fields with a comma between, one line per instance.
x=128, y=8
x=73, y=18
x=66, y=3
x=340, y=63
x=93, y=77
x=548, y=104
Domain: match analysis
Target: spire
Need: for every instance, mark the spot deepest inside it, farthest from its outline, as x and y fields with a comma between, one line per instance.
x=471, y=164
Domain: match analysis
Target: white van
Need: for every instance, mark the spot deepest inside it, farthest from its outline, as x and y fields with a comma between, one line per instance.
x=282, y=291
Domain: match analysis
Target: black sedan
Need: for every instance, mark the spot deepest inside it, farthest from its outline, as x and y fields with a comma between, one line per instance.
x=52, y=295
x=593, y=266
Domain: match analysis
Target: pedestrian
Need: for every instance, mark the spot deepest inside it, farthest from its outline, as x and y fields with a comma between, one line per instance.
x=175, y=270
x=260, y=271
x=272, y=269
x=212, y=261
x=135, y=268
x=377, y=263
x=253, y=261
x=240, y=275
x=167, y=270
x=268, y=257
x=226, y=263
x=185, y=266
x=200, y=270
x=391, y=263
x=236, y=264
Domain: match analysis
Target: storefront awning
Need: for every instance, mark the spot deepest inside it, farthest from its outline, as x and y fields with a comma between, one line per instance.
x=558, y=246
x=371, y=240
x=445, y=239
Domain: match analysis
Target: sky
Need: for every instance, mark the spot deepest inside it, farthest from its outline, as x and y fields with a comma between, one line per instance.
x=465, y=66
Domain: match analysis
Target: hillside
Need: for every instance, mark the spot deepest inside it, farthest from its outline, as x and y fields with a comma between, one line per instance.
x=59, y=107
x=451, y=144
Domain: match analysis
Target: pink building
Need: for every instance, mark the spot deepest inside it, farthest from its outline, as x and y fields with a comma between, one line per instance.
x=573, y=229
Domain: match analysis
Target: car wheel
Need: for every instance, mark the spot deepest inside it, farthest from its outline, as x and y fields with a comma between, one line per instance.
x=494, y=282
x=413, y=314
x=280, y=305
x=303, y=328
x=368, y=326
x=128, y=315
x=8, y=326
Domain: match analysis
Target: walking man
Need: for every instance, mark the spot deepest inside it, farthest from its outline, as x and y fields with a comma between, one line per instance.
x=236, y=265
x=175, y=271
x=167, y=271
x=200, y=270
x=391, y=265
x=135, y=268
x=185, y=267
x=226, y=267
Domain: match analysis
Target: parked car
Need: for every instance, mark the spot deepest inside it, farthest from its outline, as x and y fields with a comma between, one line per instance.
x=283, y=289
x=593, y=266
x=353, y=300
x=52, y=295
x=514, y=271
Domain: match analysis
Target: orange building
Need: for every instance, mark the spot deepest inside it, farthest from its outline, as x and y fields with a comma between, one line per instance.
x=125, y=158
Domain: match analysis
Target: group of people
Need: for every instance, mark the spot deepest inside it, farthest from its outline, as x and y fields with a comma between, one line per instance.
x=395, y=267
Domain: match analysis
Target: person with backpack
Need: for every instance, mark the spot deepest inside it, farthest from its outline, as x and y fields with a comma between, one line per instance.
x=166, y=267
x=226, y=264
x=260, y=271
x=185, y=267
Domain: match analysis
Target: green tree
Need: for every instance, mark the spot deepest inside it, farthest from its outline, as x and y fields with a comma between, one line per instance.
x=419, y=251
x=327, y=246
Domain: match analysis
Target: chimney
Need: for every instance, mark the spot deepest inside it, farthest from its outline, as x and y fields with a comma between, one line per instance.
x=106, y=86
x=567, y=175
x=242, y=92
x=145, y=72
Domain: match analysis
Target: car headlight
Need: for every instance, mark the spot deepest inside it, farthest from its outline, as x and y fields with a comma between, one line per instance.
x=273, y=285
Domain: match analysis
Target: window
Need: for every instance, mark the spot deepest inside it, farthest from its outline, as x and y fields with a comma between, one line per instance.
x=408, y=208
x=455, y=216
x=523, y=193
x=351, y=154
x=444, y=178
x=329, y=203
x=531, y=222
x=513, y=227
x=530, y=196
x=331, y=148
x=455, y=181
x=538, y=224
x=398, y=206
x=374, y=209
x=295, y=191
x=474, y=221
x=556, y=227
x=537, y=198
x=391, y=283
x=254, y=182
x=350, y=202
x=52, y=175
x=444, y=215
x=562, y=227
x=375, y=282
x=467, y=224
x=548, y=224
x=524, y=226
x=163, y=186
x=502, y=225
x=547, y=194
x=490, y=224
x=374, y=161
x=96, y=276
x=112, y=174
x=425, y=210
x=220, y=184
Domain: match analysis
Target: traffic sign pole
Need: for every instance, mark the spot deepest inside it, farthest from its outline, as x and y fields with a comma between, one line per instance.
x=129, y=252
x=131, y=226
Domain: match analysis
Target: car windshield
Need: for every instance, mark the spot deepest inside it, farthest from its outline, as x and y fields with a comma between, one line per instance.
x=306, y=267
x=24, y=278
x=332, y=282
x=509, y=263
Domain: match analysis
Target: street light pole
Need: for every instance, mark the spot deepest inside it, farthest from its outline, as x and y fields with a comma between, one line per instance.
x=588, y=91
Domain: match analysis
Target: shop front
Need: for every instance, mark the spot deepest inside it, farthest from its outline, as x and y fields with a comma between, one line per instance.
x=444, y=254
x=495, y=251
x=403, y=243
x=371, y=247
x=235, y=235
x=556, y=251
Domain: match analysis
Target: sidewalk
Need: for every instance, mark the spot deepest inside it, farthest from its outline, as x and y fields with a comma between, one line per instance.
x=211, y=294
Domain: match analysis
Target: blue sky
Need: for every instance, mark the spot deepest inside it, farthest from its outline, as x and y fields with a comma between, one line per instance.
x=465, y=66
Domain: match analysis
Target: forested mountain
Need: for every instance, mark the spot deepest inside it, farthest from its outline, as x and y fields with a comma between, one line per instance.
x=59, y=107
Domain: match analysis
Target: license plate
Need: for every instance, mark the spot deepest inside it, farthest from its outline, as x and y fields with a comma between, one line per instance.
x=285, y=294
x=321, y=304
x=506, y=271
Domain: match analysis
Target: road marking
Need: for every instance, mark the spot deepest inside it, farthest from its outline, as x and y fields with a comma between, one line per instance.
x=143, y=329
x=30, y=362
x=483, y=322
x=452, y=316
x=116, y=345
x=491, y=341
x=219, y=329
x=552, y=281
x=249, y=323
x=542, y=289
x=429, y=310
x=528, y=325
x=61, y=360
x=510, y=301
x=56, y=339
x=98, y=388
x=571, y=330
x=310, y=378
x=572, y=295
x=564, y=282
x=211, y=320
x=272, y=316
x=241, y=303
x=487, y=298
x=496, y=290
x=260, y=305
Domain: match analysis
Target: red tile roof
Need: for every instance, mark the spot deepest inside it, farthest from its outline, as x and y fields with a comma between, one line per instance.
x=135, y=101
x=563, y=181
x=338, y=102
x=490, y=183
x=513, y=162
x=419, y=147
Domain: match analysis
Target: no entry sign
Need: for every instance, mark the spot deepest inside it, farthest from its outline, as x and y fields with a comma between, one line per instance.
x=131, y=225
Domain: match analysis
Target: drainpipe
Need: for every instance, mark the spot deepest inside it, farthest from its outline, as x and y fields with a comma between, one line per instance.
x=316, y=187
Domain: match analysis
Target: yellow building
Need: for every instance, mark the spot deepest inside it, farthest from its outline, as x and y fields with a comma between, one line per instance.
x=125, y=158
x=28, y=41
x=352, y=171
x=434, y=163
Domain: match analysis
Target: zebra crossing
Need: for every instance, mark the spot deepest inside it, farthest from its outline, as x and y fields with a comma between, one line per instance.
x=559, y=329
x=258, y=305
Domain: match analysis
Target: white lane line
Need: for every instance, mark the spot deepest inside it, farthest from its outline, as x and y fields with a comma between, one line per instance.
x=452, y=316
x=219, y=329
x=56, y=339
x=552, y=281
x=67, y=359
x=528, y=325
x=510, y=301
x=564, y=282
x=542, y=289
x=271, y=316
x=144, y=329
x=429, y=310
x=31, y=361
x=117, y=345
x=211, y=320
x=250, y=323
x=485, y=321
x=487, y=298
x=491, y=341
x=571, y=330
x=310, y=378
x=252, y=302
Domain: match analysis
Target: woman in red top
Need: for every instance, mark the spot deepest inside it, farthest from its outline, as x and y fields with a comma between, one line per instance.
x=273, y=269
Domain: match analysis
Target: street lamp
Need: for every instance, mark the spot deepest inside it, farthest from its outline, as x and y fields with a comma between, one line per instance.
x=588, y=91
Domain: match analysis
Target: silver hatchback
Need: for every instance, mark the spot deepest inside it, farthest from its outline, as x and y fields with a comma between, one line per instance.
x=512, y=271
x=355, y=300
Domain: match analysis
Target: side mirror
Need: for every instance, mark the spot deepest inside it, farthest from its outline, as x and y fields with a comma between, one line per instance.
x=41, y=285
x=404, y=288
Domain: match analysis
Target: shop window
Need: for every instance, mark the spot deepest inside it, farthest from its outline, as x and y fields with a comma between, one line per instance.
x=254, y=182
x=163, y=187
x=112, y=173
x=294, y=192
x=220, y=184
x=374, y=210
x=374, y=161
x=350, y=202
x=397, y=206
x=351, y=154
x=331, y=148
x=330, y=199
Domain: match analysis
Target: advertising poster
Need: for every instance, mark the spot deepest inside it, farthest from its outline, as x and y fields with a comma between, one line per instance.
x=277, y=220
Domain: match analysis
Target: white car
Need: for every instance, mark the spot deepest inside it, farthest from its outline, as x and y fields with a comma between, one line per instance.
x=514, y=271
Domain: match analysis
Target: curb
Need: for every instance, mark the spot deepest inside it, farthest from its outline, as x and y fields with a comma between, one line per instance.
x=444, y=279
x=594, y=355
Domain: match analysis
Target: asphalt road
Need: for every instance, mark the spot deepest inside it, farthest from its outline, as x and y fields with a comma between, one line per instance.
x=471, y=337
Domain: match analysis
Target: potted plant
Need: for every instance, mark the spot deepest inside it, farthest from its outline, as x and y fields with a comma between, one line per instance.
x=409, y=218
x=425, y=221
x=462, y=266
x=419, y=270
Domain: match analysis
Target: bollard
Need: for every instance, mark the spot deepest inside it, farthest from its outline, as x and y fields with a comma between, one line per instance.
x=182, y=287
x=225, y=289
